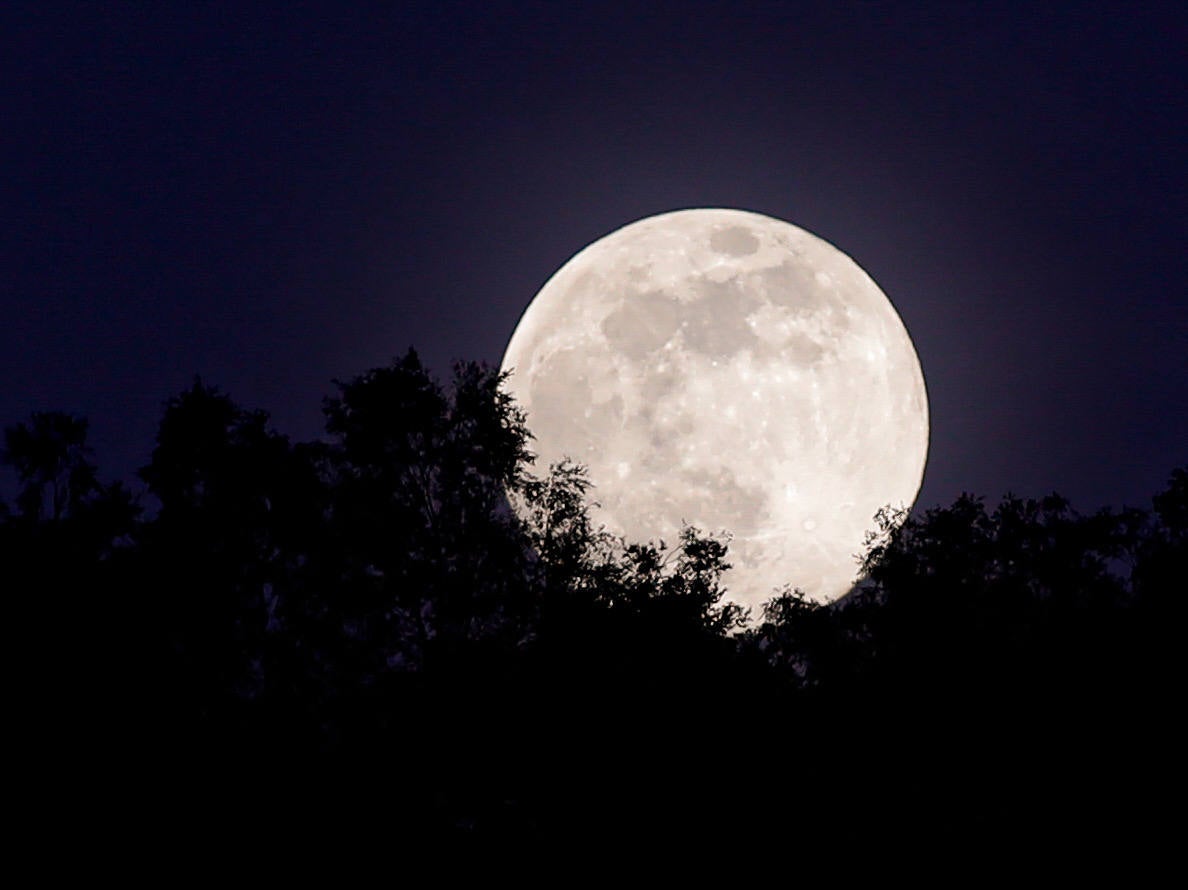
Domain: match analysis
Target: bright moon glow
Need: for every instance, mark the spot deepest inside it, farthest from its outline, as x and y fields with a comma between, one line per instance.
x=731, y=371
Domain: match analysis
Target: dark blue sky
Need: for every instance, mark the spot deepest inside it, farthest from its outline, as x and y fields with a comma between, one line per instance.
x=276, y=196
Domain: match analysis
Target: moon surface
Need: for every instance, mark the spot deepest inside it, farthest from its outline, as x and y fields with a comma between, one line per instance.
x=732, y=371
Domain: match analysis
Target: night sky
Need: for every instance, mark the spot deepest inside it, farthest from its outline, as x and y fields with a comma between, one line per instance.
x=276, y=196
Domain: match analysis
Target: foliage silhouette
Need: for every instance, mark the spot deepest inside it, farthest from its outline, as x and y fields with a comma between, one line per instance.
x=406, y=611
x=50, y=456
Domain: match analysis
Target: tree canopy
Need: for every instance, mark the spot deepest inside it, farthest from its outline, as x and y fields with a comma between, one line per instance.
x=410, y=609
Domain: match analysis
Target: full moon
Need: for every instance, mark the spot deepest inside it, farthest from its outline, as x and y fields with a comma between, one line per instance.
x=728, y=370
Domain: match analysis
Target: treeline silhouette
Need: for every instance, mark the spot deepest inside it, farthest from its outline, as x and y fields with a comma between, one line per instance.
x=361, y=635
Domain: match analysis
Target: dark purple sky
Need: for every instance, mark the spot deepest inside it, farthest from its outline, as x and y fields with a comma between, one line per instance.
x=276, y=196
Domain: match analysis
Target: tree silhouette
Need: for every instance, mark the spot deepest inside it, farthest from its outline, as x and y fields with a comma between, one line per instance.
x=429, y=555
x=409, y=610
x=239, y=509
x=63, y=552
x=51, y=459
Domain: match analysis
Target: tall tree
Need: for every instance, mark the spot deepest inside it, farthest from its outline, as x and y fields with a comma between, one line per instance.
x=420, y=476
x=53, y=464
x=239, y=513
